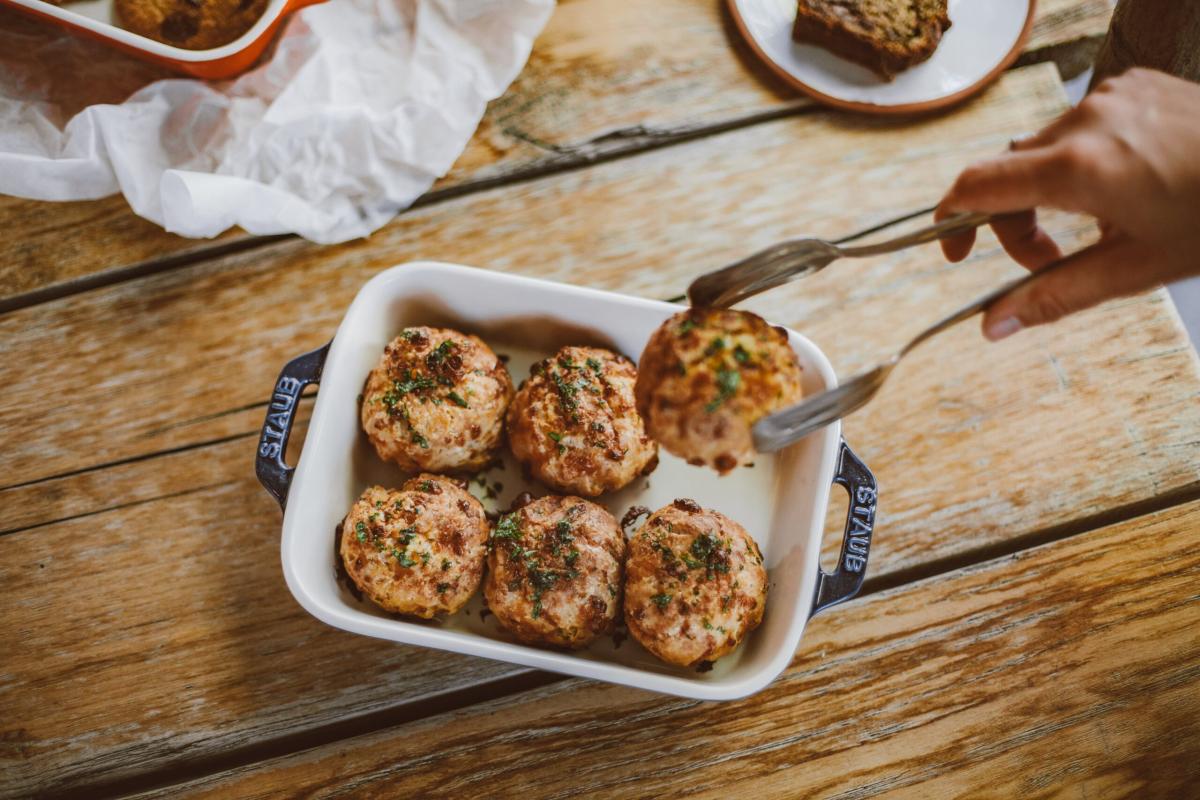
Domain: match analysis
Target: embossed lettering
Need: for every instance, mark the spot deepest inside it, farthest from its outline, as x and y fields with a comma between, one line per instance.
x=289, y=386
x=283, y=402
x=860, y=527
x=867, y=512
x=858, y=544
x=268, y=449
x=854, y=563
x=865, y=496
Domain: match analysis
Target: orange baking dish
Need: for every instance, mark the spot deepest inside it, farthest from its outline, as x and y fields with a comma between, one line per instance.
x=97, y=20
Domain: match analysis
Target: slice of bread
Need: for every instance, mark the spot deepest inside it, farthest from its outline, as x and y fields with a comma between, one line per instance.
x=885, y=36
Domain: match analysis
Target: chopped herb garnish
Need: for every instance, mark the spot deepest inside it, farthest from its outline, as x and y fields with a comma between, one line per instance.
x=403, y=558
x=566, y=391
x=741, y=355
x=704, y=544
x=457, y=400
x=425, y=557
x=556, y=436
x=707, y=625
x=728, y=381
x=421, y=440
x=594, y=364
x=360, y=528
x=409, y=384
x=445, y=564
x=427, y=487
x=686, y=326
x=508, y=528
x=715, y=346
x=441, y=351
x=409, y=335
x=442, y=587
x=661, y=600
x=572, y=557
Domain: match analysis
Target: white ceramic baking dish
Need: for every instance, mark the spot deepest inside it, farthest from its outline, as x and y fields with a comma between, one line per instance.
x=781, y=501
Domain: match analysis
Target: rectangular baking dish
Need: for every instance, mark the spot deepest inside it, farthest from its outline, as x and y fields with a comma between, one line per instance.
x=96, y=19
x=781, y=501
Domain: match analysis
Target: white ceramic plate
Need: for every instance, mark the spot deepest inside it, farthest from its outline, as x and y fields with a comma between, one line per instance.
x=985, y=37
x=781, y=500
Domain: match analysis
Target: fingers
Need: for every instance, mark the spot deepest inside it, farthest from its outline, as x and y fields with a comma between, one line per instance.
x=954, y=248
x=1028, y=244
x=1015, y=181
x=1009, y=183
x=1019, y=234
x=1109, y=269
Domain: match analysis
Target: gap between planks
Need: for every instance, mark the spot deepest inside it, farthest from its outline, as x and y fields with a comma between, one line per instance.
x=530, y=680
x=608, y=146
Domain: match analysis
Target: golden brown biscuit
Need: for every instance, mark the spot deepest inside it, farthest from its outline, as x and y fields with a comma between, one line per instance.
x=555, y=572
x=436, y=401
x=706, y=376
x=418, y=550
x=574, y=424
x=191, y=24
x=695, y=585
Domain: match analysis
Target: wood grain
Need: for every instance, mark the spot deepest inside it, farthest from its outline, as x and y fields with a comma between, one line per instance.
x=191, y=349
x=159, y=633
x=1069, y=670
x=138, y=473
x=606, y=78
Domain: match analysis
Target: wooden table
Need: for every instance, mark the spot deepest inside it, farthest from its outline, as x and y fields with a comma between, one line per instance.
x=1029, y=627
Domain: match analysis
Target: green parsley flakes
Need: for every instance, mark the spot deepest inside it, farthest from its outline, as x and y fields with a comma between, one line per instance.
x=728, y=381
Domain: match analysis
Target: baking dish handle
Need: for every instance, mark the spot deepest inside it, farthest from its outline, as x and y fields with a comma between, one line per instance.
x=845, y=581
x=273, y=472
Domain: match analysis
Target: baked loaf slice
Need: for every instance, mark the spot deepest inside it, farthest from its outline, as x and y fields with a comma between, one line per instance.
x=885, y=36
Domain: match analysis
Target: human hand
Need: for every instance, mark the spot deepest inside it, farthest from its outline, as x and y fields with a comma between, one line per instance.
x=1129, y=155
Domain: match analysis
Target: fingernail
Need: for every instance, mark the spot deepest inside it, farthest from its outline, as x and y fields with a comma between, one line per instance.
x=1015, y=142
x=1003, y=328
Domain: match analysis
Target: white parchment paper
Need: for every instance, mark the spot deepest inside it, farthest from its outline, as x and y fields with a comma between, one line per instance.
x=361, y=105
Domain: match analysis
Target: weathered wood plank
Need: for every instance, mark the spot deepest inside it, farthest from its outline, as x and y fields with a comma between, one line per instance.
x=189, y=354
x=656, y=72
x=232, y=322
x=187, y=344
x=1066, y=670
x=160, y=633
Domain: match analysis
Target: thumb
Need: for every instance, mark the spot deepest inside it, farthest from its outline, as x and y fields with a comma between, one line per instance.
x=1111, y=268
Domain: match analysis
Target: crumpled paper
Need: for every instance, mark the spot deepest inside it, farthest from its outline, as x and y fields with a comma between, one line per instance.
x=358, y=109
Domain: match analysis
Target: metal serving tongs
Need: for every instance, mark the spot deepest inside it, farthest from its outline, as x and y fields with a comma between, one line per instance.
x=789, y=260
